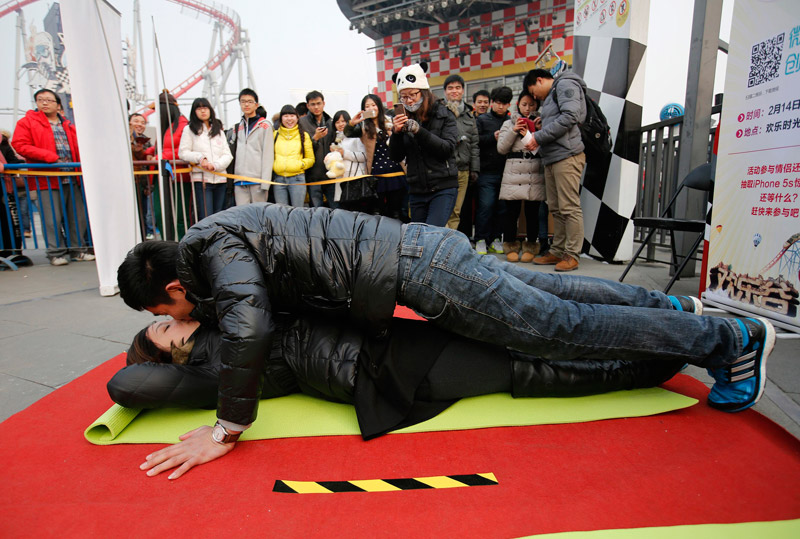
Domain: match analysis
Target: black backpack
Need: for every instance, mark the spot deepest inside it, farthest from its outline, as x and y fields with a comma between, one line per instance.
x=595, y=131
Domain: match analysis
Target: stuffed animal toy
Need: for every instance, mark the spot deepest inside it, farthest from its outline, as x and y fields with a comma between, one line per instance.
x=335, y=165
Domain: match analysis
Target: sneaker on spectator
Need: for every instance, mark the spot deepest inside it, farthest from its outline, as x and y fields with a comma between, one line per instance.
x=59, y=261
x=739, y=385
x=84, y=257
x=28, y=234
x=689, y=304
x=480, y=247
x=149, y=237
x=496, y=247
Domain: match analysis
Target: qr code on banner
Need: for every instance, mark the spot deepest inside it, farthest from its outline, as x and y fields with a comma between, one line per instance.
x=765, y=60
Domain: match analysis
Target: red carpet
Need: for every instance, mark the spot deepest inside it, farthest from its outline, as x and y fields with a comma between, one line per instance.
x=688, y=467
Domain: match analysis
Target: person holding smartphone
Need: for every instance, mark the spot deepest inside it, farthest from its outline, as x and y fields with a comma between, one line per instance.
x=523, y=182
x=374, y=130
x=317, y=123
x=425, y=135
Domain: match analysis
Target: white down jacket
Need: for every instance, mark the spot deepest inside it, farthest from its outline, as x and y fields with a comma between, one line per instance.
x=523, y=175
x=194, y=148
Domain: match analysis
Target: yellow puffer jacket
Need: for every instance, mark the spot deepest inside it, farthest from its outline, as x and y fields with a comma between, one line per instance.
x=289, y=159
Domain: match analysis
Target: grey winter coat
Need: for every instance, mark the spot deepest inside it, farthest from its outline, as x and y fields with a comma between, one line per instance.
x=559, y=136
x=255, y=151
x=468, y=155
x=523, y=176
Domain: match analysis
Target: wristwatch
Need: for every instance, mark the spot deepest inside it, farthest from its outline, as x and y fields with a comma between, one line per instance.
x=221, y=435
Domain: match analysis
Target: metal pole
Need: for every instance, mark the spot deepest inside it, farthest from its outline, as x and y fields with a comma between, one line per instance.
x=20, y=30
x=137, y=31
x=693, y=150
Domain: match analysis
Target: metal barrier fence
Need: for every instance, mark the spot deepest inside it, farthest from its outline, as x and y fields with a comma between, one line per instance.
x=44, y=206
x=55, y=194
x=658, y=173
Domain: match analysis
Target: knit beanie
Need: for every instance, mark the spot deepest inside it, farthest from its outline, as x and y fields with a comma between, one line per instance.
x=412, y=76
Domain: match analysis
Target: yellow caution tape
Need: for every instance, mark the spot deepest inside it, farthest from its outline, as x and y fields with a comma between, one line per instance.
x=385, y=485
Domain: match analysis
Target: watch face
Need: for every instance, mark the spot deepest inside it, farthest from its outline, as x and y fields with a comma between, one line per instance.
x=218, y=434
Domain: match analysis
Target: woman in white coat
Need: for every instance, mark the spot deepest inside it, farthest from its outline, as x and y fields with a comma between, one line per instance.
x=204, y=144
x=523, y=182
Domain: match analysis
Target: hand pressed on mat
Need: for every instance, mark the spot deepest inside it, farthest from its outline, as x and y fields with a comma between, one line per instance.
x=196, y=447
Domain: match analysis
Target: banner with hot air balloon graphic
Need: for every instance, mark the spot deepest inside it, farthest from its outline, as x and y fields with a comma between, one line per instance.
x=754, y=244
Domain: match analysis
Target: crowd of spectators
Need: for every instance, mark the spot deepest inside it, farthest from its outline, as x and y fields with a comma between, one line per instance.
x=483, y=167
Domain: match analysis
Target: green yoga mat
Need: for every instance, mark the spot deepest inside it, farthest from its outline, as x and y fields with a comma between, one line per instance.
x=300, y=415
x=779, y=529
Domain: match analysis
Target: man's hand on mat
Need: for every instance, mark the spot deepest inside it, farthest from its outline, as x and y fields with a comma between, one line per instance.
x=195, y=448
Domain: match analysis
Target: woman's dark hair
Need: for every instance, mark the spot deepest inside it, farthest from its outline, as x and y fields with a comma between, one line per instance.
x=169, y=117
x=143, y=350
x=370, y=127
x=340, y=114
x=526, y=93
x=196, y=124
x=145, y=273
x=422, y=114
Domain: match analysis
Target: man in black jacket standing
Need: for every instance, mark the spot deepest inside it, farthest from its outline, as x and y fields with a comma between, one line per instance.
x=237, y=267
x=490, y=210
x=317, y=123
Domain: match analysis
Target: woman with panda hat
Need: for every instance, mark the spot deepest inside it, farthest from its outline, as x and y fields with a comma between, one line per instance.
x=425, y=135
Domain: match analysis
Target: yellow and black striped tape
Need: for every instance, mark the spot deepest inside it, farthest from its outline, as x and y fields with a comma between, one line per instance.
x=385, y=485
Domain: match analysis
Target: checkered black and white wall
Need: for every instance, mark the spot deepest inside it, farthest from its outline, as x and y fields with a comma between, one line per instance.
x=609, y=52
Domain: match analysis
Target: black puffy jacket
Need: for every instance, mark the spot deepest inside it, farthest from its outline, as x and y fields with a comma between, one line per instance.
x=430, y=154
x=382, y=376
x=241, y=265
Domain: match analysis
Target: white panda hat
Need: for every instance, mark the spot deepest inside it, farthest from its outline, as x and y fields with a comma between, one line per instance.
x=412, y=76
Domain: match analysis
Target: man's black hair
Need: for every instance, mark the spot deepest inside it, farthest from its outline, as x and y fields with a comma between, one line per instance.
x=251, y=93
x=146, y=271
x=301, y=108
x=453, y=78
x=479, y=93
x=49, y=91
x=502, y=94
x=533, y=74
x=314, y=94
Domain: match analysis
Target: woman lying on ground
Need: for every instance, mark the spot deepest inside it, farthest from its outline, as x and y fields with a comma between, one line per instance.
x=408, y=376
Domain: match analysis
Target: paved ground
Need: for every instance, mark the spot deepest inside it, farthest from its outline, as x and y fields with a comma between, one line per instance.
x=55, y=326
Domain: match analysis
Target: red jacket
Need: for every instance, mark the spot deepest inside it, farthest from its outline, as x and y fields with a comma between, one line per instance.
x=34, y=140
x=168, y=143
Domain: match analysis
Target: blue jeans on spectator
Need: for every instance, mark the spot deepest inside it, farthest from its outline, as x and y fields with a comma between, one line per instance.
x=489, y=211
x=210, y=198
x=294, y=193
x=552, y=316
x=433, y=208
x=315, y=193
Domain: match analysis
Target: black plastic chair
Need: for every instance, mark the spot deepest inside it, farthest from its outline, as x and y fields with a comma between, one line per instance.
x=699, y=179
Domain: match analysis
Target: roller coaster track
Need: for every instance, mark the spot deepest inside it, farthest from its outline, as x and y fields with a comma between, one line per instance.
x=13, y=6
x=231, y=20
x=786, y=246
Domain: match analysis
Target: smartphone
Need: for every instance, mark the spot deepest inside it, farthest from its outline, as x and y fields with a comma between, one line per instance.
x=321, y=128
x=399, y=109
x=371, y=113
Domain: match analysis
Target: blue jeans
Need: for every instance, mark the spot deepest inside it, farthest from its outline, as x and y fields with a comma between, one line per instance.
x=489, y=210
x=297, y=193
x=315, y=193
x=557, y=317
x=433, y=208
x=210, y=198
